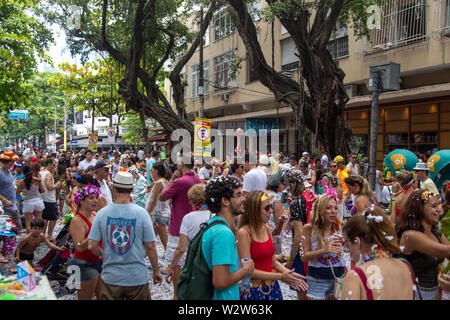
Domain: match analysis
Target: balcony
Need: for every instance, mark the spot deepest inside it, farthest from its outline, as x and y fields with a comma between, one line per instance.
x=402, y=22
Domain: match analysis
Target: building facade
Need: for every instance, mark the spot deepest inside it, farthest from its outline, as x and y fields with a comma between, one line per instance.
x=413, y=33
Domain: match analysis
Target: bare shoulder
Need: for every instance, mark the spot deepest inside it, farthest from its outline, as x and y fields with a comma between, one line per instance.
x=307, y=228
x=243, y=231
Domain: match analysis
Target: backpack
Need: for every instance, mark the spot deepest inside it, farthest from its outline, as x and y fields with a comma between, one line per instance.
x=195, y=281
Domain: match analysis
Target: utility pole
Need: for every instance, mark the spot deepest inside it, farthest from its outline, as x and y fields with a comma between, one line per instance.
x=65, y=128
x=384, y=76
x=200, y=68
x=54, y=141
x=376, y=90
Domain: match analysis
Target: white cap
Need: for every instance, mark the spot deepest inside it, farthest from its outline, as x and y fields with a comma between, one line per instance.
x=305, y=153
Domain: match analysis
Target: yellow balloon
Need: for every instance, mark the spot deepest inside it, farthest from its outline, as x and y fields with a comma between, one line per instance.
x=432, y=161
x=398, y=160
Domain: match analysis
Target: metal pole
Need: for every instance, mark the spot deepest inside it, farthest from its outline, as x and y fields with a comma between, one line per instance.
x=65, y=128
x=374, y=129
x=200, y=67
x=54, y=140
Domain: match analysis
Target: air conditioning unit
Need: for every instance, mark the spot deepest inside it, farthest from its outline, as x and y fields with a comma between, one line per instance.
x=447, y=32
x=352, y=90
x=225, y=96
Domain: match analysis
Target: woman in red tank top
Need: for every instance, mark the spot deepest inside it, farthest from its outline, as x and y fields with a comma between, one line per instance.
x=254, y=240
x=87, y=263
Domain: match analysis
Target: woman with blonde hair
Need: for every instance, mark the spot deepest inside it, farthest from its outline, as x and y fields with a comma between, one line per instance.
x=408, y=182
x=372, y=242
x=360, y=189
x=254, y=240
x=321, y=248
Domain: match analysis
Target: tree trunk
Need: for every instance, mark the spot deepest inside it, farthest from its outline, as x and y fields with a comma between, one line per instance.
x=145, y=131
x=320, y=110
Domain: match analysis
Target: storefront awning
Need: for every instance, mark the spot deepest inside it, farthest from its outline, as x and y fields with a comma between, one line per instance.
x=161, y=137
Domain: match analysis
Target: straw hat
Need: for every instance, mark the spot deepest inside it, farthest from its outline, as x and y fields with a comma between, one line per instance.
x=9, y=155
x=123, y=180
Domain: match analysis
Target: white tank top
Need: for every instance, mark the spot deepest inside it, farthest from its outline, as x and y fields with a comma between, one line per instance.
x=323, y=260
x=160, y=208
x=307, y=176
x=32, y=193
x=47, y=196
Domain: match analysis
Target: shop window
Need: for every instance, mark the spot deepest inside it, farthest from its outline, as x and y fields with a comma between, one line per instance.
x=423, y=142
x=395, y=141
x=359, y=144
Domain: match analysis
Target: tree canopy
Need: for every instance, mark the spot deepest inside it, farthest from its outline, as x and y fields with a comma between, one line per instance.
x=23, y=41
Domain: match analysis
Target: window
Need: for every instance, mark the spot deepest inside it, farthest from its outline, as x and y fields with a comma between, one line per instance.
x=338, y=43
x=402, y=22
x=423, y=142
x=359, y=144
x=79, y=117
x=447, y=15
x=195, y=79
x=184, y=81
x=206, y=38
x=254, y=9
x=222, y=24
x=395, y=141
x=222, y=72
x=289, y=60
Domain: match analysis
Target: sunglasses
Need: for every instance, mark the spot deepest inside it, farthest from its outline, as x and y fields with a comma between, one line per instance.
x=268, y=207
x=333, y=166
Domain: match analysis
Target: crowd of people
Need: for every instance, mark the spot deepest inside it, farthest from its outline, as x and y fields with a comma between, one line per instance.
x=396, y=236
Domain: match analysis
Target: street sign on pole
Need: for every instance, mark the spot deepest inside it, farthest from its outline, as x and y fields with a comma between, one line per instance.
x=18, y=114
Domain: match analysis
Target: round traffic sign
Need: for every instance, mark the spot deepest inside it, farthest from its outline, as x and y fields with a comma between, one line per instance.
x=203, y=133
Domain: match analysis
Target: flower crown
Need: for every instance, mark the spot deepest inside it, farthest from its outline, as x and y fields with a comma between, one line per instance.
x=85, y=192
x=426, y=195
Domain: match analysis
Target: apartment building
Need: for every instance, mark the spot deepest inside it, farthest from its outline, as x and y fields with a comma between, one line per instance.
x=413, y=33
x=81, y=126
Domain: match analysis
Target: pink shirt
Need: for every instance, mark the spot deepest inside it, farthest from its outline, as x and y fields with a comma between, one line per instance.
x=177, y=191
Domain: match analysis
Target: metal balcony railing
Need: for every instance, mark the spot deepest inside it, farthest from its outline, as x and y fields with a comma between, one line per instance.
x=402, y=22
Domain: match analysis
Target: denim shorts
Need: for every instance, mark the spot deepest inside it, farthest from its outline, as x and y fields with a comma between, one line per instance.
x=89, y=270
x=162, y=220
x=320, y=289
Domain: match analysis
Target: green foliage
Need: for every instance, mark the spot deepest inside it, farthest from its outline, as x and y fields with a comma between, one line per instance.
x=23, y=40
x=41, y=112
x=93, y=86
x=353, y=13
x=135, y=128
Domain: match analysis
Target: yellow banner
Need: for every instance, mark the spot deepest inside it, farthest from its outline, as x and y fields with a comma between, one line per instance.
x=202, y=139
x=93, y=142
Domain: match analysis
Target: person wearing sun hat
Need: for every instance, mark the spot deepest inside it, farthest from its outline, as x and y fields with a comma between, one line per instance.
x=342, y=174
x=7, y=187
x=128, y=230
x=426, y=183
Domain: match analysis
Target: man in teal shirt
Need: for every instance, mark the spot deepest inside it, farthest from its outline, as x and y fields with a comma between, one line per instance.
x=224, y=198
x=150, y=163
